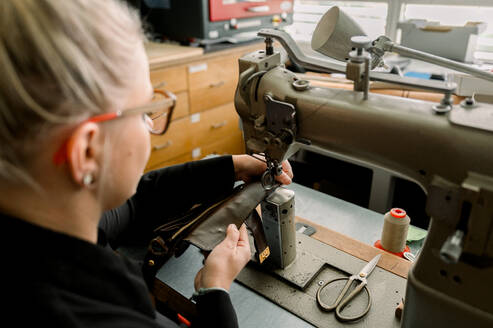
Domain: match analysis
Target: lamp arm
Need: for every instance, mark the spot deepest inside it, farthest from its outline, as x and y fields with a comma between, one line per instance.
x=322, y=65
x=389, y=45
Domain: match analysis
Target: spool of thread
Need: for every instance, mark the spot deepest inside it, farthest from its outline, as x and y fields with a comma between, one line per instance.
x=394, y=233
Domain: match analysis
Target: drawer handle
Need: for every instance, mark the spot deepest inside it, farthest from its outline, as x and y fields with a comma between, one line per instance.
x=164, y=145
x=259, y=9
x=216, y=85
x=218, y=125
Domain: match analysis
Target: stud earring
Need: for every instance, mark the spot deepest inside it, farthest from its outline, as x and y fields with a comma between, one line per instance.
x=87, y=179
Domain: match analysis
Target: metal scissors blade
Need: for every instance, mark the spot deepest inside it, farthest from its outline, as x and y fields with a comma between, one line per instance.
x=368, y=268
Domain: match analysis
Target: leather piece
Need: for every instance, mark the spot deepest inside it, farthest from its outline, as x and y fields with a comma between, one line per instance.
x=237, y=209
x=169, y=237
x=204, y=226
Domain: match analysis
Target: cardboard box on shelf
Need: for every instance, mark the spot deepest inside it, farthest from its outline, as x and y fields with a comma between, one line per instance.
x=453, y=42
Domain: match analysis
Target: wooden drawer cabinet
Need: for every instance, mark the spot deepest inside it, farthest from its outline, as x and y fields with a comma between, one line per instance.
x=177, y=160
x=227, y=146
x=212, y=83
x=204, y=121
x=173, y=79
x=216, y=124
x=224, y=147
x=190, y=134
x=181, y=109
x=174, y=143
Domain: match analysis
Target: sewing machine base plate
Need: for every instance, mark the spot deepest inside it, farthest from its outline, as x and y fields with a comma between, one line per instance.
x=296, y=290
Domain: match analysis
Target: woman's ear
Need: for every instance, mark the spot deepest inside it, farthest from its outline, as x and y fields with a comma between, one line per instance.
x=84, y=153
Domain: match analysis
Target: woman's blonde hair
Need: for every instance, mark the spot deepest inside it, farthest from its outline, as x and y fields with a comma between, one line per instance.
x=59, y=61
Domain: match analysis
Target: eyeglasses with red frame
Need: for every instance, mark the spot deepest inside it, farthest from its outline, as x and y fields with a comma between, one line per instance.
x=156, y=116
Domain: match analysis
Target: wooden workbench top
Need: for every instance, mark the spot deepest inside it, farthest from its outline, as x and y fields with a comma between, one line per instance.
x=392, y=263
x=163, y=55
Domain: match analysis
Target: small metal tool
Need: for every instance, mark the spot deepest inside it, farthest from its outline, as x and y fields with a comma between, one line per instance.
x=409, y=256
x=342, y=300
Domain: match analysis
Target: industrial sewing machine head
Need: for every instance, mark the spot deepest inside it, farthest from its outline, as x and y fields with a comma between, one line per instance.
x=447, y=149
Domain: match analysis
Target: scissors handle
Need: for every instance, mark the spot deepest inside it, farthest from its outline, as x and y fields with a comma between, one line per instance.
x=339, y=298
x=342, y=301
x=348, y=299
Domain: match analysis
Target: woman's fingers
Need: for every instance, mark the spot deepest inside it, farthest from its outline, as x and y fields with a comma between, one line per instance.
x=243, y=234
x=286, y=167
x=197, y=283
x=287, y=174
x=248, y=167
x=244, y=244
x=283, y=178
x=232, y=236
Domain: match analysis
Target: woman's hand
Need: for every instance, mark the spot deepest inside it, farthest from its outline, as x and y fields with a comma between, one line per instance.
x=226, y=260
x=247, y=167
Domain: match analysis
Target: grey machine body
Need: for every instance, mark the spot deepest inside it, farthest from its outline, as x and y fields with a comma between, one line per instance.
x=448, y=153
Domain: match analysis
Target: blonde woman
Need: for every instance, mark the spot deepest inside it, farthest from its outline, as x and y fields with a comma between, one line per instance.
x=74, y=134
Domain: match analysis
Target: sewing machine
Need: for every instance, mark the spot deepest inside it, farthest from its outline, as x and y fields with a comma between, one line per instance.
x=445, y=148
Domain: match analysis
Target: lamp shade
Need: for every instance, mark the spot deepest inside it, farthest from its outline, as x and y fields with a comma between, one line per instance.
x=332, y=36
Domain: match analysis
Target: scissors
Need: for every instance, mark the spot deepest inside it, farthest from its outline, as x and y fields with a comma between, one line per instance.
x=341, y=302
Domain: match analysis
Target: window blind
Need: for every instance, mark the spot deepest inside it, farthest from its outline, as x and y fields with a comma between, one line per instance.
x=371, y=16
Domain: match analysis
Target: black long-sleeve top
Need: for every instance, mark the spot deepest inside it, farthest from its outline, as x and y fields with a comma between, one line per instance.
x=52, y=279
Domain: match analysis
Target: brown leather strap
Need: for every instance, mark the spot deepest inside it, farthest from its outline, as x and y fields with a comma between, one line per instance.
x=254, y=222
x=167, y=299
x=157, y=254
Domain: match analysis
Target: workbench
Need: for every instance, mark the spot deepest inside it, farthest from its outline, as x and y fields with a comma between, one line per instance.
x=253, y=310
